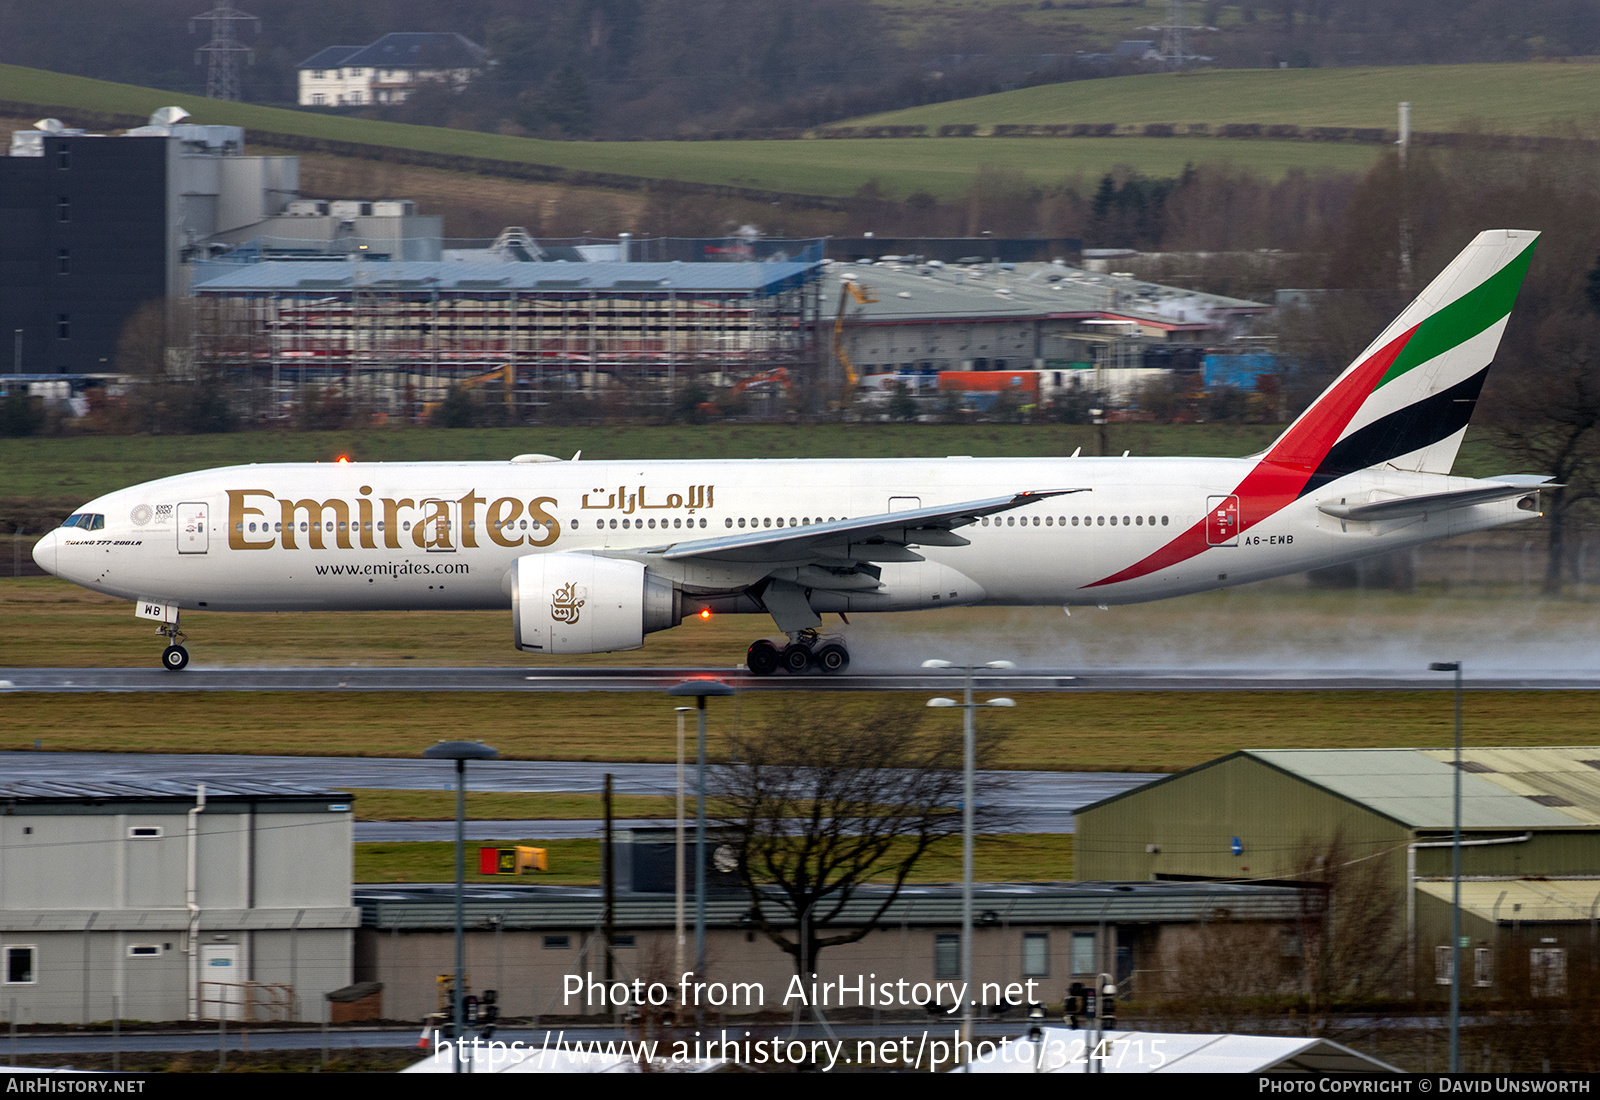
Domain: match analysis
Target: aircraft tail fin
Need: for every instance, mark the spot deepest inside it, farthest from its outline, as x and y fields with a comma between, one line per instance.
x=1406, y=400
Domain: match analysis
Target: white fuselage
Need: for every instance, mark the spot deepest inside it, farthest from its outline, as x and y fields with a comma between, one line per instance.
x=411, y=536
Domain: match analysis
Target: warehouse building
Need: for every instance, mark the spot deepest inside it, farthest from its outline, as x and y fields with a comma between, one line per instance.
x=1374, y=825
x=166, y=901
x=908, y=322
x=525, y=941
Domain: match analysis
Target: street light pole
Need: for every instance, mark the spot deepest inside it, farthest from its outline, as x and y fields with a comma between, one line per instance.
x=1455, y=877
x=700, y=689
x=460, y=752
x=969, y=754
x=677, y=907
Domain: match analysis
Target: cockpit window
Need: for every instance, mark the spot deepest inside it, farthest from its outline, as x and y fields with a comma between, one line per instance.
x=71, y=521
x=99, y=522
x=86, y=520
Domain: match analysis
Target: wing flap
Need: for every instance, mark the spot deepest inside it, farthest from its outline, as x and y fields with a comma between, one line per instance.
x=882, y=537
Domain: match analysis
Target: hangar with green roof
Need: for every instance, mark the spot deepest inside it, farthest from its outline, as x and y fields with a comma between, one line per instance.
x=1383, y=818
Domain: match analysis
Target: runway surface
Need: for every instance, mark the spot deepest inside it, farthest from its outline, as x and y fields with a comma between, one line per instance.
x=659, y=679
x=1031, y=801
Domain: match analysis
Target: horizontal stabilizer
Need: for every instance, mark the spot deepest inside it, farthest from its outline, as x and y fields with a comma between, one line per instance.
x=1407, y=507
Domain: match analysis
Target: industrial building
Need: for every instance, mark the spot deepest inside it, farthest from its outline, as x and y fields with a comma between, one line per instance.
x=523, y=941
x=402, y=333
x=906, y=322
x=166, y=901
x=93, y=227
x=1380, y=821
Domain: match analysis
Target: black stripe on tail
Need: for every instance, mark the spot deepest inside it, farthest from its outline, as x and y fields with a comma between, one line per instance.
x=1418, y=425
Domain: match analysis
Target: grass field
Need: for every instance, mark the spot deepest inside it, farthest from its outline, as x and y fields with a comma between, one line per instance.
x=942, y=167
x=389, y=805
x=1023, y=857
x=1523, y=98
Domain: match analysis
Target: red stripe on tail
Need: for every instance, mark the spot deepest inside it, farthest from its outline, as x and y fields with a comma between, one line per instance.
x=1282, y=473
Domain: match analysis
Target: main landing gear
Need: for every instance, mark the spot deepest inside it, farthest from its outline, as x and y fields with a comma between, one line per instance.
x=174, y=658
x=805, y=652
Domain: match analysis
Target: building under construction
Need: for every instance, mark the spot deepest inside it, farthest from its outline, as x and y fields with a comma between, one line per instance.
x=395, y=337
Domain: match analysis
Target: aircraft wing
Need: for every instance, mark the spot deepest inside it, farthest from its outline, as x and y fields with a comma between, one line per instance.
x=1406, y=507
x=880, y=538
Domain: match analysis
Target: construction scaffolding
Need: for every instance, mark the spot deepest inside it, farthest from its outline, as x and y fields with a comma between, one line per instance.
x=394, y=338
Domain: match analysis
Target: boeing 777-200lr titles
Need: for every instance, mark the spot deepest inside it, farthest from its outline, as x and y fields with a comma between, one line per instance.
x=592, y=556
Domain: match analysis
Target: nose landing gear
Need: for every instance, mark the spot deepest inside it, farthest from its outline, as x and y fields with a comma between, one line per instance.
x=174, y=658
x=803, y=653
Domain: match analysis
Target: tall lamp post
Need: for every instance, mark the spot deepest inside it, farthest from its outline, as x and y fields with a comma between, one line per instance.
x=968, y=768
x=700, y=689
x=460, y=752
x=678, y=862
x=1455, y=878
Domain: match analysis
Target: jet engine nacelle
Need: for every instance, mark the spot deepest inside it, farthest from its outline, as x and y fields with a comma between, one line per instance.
x=581, y=603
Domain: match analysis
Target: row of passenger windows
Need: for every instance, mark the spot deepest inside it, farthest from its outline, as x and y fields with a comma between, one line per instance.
x=369, y=525
x=86, y=520
x=1076, y=521
x=641, y=524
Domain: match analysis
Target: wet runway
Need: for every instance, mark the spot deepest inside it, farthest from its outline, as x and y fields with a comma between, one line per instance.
x=659, y=679
x=1033, y=801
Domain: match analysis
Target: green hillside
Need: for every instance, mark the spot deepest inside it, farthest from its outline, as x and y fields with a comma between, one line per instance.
x=1513, y=98
x=942, y=167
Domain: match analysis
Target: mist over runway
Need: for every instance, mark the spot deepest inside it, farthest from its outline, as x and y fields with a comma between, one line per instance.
x=1409, y=677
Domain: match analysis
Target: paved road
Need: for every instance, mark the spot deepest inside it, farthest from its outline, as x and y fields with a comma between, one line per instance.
x=659, y=679
x=1036, y=801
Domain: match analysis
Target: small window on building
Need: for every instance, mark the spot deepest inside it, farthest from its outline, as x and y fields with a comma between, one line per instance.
x=144, y=832
x=622, y=941
x=1547, y=971
x=63, y=327
x=1441, y=965
x=557, y=943
x=1483, y=967
x=64, y=157
x=947, y=955
x=1036, y=954
x=143, y=950
x=64, y=209
x=20, y=965
x=63, y=261
x=1083, y=953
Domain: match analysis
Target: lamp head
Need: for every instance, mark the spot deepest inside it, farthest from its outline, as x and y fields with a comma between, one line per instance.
x=1445, y=666
x=935, y=662
x=1002, y=701
x=460, y=750
x=942, y=702
x=701, y=688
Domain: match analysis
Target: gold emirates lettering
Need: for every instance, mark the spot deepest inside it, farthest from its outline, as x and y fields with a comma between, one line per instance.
x=308, y=523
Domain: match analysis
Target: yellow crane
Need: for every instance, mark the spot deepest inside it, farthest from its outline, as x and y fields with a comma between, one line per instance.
x=848, y=289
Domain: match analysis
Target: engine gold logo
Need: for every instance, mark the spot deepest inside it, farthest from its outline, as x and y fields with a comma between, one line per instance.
x=565, y=603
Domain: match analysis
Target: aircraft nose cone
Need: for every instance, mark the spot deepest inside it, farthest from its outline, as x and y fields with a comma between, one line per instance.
x=44, y=553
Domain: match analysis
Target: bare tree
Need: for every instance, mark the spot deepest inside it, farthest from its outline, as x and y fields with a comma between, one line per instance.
x=821, y=801
x=1547, y=415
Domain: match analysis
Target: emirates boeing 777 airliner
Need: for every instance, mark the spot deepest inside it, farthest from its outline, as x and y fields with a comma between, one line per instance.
x=591, y=556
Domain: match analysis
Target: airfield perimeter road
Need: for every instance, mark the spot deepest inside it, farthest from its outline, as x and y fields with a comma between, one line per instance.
x=659, y=679
x=1036, y=802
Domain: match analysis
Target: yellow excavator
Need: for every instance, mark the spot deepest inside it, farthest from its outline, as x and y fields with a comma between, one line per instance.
x=505, y=375
x=848, y=289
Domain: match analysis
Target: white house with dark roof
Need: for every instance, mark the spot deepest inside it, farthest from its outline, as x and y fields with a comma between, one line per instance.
x=388, y=70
